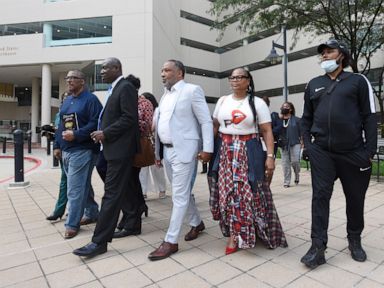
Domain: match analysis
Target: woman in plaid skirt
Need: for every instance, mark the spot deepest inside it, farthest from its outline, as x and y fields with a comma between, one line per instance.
x=240, y=196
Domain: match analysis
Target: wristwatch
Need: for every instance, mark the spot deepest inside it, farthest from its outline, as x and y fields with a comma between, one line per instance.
x=270, y=155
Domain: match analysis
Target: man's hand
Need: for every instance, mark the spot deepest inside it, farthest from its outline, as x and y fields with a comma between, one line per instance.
x=158, y=163
x=97, y=136
x=204, y=157
x=68, y=135
x=57, y=153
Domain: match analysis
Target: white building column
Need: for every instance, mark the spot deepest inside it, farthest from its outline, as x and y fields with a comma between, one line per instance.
x=47, y=31
x=35, y=107
x=46, y=92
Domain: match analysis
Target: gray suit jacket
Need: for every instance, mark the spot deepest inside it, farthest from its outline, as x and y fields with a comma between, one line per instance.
x=190, y=124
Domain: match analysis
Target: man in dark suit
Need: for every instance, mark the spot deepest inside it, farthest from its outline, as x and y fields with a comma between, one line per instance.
x=120, y=138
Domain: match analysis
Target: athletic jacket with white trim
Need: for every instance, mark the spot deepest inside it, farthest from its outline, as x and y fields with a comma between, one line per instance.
x=339, y=115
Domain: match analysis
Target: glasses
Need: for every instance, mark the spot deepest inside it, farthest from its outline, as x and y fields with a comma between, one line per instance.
x=237, y=78
x=72, y=78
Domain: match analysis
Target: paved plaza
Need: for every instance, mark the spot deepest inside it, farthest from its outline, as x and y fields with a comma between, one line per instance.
x=34, y=253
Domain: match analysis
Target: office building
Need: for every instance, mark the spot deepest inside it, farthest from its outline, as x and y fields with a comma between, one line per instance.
x=40, y=40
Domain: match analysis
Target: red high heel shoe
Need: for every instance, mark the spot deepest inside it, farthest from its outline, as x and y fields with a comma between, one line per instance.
x=230, y=250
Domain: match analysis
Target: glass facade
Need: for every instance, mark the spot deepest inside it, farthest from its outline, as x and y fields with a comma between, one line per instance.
x=81, y=28
x=20, y=29
x=66, y=32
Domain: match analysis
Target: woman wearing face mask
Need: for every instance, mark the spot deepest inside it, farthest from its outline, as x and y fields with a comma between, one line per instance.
x=340, y=135
x=290, y=143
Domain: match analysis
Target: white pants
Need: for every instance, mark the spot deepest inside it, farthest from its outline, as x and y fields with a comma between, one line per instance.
x=180, y=176
x=152, y=177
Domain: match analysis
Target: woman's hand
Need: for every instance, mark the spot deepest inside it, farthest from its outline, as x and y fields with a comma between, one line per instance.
x=269, y=168
x=216, y=126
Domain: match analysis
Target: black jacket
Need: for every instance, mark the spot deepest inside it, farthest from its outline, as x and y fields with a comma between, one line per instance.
x=120, y=122
x=339, y=115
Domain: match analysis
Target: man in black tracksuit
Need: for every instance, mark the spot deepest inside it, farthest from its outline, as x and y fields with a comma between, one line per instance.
x=340, y=135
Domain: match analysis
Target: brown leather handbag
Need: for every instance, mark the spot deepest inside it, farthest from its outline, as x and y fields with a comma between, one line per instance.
x=147, y=155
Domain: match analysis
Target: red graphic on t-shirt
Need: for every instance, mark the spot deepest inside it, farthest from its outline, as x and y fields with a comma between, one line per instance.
x=238, y=116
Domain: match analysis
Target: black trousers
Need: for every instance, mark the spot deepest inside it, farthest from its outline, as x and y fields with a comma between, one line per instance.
x=354, y=171
x=132, y=203
x=116, y=187
x=101, y=166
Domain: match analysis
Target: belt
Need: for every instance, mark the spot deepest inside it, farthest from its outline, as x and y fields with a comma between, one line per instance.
x=168, y=145
x=229, y=138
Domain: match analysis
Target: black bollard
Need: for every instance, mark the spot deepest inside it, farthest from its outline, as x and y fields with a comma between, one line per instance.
x=4, y=144
x=19, y=155
x=29, y=138
x=48, y=145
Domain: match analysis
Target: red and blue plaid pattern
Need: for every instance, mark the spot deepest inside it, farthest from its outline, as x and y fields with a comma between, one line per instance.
x=242, y=212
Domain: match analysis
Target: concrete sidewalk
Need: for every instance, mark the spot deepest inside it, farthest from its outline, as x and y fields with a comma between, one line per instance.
x=33, y=252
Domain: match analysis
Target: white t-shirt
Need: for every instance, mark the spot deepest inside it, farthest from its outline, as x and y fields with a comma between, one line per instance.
x=236, y=118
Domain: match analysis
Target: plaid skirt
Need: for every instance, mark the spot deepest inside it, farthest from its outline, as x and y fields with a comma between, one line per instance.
x=243, y=203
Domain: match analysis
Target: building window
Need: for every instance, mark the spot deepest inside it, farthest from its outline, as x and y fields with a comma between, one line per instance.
x=66, y=32
x=19, y=29
x=81, y=31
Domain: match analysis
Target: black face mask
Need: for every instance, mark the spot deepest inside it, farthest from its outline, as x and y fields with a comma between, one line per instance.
x=285, y=111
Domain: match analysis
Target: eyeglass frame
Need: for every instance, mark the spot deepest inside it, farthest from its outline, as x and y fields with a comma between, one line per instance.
x=237, y=77
x=67, y=78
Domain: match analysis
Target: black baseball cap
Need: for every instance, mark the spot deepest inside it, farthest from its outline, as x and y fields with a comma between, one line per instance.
x=336, y=44
x=333, y=44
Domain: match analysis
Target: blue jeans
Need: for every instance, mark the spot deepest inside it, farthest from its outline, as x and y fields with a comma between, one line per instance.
x=91, y=210
x=78, y=166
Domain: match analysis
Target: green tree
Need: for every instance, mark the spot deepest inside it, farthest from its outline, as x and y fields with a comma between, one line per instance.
x=359, y=23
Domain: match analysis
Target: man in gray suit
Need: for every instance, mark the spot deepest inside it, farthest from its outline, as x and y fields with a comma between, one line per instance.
x=183, y=125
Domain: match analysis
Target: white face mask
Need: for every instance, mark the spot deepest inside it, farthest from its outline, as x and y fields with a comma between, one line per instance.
x=329, y=65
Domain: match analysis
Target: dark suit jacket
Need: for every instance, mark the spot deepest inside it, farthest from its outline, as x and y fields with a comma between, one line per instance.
x=120, y=122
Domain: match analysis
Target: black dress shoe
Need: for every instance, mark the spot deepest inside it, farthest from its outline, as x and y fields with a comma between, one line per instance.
x=357, y=252
x=124, y=233
x=91, y=250
x=314, y=257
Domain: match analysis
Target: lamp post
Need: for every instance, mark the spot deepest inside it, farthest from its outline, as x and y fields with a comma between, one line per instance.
x=273, y=57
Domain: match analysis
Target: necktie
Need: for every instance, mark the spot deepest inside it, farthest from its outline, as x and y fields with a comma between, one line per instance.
x=105, y=103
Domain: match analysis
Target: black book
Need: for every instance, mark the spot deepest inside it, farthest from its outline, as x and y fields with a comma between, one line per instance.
x=70, y=121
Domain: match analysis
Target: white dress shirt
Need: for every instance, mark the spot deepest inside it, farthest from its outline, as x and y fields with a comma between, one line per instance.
x=166, y=107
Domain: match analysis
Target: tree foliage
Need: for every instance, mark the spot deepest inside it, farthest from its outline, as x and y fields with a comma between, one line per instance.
x=359, y=23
